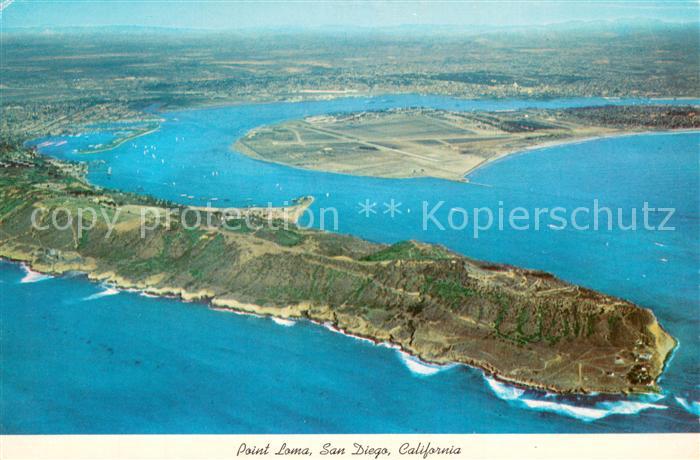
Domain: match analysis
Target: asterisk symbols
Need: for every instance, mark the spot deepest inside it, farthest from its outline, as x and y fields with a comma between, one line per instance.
x=367, y=207
x=392, y=208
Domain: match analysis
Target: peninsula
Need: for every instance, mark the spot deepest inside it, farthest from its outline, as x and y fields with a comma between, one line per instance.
x=525, y=327
x=435, y=143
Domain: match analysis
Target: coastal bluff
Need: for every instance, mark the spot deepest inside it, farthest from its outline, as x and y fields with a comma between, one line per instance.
x=522, y=326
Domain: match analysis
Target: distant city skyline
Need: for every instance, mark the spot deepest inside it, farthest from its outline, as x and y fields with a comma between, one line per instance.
x=234, y=15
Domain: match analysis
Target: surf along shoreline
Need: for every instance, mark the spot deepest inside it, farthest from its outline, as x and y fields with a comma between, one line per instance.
x=296, y=313
x=590, y=411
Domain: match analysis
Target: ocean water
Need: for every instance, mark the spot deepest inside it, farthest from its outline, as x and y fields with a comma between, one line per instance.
x=98, y=360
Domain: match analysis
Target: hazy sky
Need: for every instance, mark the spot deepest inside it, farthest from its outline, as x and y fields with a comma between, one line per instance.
x=232, y=14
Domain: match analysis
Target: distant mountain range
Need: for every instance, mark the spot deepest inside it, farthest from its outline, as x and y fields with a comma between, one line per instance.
x=617, y=26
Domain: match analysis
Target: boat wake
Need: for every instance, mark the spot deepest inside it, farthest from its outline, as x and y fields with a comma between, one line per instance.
x=419, y=367
x=32, y=276
x=586, y=411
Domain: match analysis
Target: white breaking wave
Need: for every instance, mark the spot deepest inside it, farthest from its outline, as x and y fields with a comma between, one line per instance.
x=236, y=312
x=651, y=397
x=590, y=413
x=332, y=328
x=5, y=3
x=504, y=391
x=32, y=276
x=691, y=406
x=629, y=407
x=284, y=322
x=420, y=367
x=107, y=292
x=586, y=413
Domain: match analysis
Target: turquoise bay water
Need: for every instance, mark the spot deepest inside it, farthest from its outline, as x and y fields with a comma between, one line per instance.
x=87, y=361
